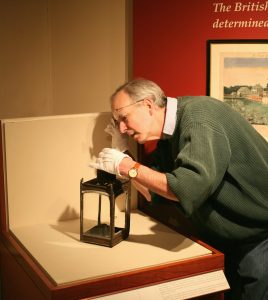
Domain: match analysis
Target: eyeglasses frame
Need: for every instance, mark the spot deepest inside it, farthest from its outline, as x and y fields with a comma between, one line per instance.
x=118, y=109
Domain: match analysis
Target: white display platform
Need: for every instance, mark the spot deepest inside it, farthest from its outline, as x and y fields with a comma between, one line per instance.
x=58, y=250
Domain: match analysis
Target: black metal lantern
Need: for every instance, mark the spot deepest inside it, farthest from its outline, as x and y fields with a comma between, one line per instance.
x=97, y=211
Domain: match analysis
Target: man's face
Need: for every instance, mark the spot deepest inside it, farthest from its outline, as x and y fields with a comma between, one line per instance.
x=133, y=118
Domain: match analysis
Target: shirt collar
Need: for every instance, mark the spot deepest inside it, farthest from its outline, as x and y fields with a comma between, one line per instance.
x=171, y=116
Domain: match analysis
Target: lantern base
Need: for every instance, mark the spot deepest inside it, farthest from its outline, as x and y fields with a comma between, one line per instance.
x=103, y=230
x=101, y=235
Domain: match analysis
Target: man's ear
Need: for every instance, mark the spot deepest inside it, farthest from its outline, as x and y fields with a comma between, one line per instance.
x=149, y=103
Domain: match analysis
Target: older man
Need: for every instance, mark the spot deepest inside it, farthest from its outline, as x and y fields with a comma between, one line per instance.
x=210, y=161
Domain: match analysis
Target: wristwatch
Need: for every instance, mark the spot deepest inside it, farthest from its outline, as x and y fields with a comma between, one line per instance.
x=133, y=172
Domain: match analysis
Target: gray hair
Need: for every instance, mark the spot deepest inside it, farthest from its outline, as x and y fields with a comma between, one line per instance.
x=139, y=89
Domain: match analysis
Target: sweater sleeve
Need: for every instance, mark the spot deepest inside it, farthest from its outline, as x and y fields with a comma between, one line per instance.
x=200, y=165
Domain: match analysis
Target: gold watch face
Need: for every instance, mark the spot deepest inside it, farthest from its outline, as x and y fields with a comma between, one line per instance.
x=133, y=173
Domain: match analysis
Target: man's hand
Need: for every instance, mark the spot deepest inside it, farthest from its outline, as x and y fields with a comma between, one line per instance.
x=109, y=160
x=119, y=140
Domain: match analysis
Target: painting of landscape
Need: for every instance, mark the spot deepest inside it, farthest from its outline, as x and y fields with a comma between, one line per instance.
x=245, y=85
x=237, y=73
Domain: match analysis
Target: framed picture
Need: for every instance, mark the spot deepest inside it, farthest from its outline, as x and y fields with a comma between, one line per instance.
x=238, y=75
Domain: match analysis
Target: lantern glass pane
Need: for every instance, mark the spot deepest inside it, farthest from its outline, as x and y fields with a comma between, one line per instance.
x=96, y=214
x=120, y=209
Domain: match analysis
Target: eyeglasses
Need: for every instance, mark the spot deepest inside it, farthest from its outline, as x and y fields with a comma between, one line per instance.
x=118, y=109
x=124, y=118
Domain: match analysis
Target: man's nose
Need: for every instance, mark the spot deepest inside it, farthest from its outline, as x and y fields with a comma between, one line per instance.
x=122, y=127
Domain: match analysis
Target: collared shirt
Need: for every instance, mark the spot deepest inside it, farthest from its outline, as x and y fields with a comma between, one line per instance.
x=171, y=116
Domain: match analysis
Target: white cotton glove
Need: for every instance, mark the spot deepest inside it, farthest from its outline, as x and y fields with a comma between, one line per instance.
x=109, y=160
x=119, y=140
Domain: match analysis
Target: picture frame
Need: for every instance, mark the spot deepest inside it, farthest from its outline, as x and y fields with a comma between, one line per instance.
x=237, y=73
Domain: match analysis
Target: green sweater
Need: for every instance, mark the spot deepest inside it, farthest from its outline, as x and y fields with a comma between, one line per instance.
x=217, y=165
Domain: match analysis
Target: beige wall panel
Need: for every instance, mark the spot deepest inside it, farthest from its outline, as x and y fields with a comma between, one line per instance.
x=24, y=61
x=60, y=56
x=88, y=46
x=45, y=160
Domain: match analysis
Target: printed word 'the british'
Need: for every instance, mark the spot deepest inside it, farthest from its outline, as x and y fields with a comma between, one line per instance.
x=240, y=7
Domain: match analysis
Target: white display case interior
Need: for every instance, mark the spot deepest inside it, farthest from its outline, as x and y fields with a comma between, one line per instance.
x=44, y=161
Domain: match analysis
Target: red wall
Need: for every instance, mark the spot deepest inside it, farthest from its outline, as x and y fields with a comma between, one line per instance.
x=169, y=39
